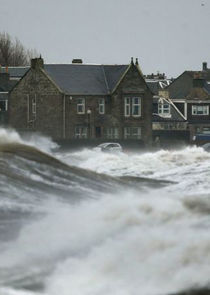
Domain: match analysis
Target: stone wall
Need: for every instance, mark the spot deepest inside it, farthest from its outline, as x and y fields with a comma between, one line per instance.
x=48, y=118
x=56, y=113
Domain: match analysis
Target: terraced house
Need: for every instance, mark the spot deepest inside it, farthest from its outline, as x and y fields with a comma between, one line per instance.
x=190, y=93
x=83, y=102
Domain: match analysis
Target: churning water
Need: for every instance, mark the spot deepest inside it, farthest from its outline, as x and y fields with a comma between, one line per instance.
x=93, y=223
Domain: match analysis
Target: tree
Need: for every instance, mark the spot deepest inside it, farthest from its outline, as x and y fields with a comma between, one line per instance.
x=13, y=53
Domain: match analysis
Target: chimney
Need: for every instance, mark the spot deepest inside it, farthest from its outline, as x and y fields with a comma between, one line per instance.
x=77, y=61
x=132, y=61
x=205, y=66
x=37, y=63
x=137, y=62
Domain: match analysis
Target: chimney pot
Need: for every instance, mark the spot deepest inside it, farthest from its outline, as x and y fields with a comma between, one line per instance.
x=132, y=60
x=77, y=61
x=205, y=66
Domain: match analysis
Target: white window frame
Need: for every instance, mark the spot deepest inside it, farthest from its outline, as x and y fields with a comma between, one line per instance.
x=164, y=109
x=130, y=105
x=195, y=110
x=80, y=132
x=138, y=105
x=81, y=103
x=33, y=105
x=127, y=106
x=101, y=106
x=111, y=133
x=129, y=133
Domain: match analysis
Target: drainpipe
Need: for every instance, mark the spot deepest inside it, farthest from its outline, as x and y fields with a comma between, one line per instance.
x=64, y=116
x=28, y=118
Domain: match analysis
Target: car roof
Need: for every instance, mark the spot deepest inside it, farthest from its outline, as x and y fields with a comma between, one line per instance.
x=206, y=145
x=108, y=143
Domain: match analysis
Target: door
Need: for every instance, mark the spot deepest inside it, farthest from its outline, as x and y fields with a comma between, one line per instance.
x=98, y=132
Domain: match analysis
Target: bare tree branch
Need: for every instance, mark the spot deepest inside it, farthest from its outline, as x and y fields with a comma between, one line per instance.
x=13, y=53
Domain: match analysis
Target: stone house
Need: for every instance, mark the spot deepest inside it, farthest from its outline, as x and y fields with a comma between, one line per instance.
x=9, y=76
x=79, y=102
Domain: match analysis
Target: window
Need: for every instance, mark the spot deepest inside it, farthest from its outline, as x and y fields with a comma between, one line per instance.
x=136, y=106
x=80, y=132
x=111, y=133
x=127, y=107
x=206, y=130
x=80, y=106
x=3, y=105
x=101, y=106
x=132, y=132
x=164, y=109
x=132, y=104
x=34, y=105
x=200, y=110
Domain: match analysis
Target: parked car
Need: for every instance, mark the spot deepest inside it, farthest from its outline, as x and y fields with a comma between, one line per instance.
x=109, y=147
x=206, y=147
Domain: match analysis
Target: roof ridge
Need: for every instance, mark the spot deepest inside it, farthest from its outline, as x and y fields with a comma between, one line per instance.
x=106, y=82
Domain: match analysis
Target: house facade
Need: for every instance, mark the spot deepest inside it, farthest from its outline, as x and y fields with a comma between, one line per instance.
x=80, y=102
x=9, y=76
x=190, y=93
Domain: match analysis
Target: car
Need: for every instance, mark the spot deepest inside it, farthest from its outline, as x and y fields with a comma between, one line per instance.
x=109, y=147
x=206, y=147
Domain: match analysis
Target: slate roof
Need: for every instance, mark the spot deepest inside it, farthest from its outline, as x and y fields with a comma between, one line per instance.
x=3, y=95
x=182, y=86
x=207, y=86
x=156, y=85
x=15, y=72
x=84, y=78
x=7, y=85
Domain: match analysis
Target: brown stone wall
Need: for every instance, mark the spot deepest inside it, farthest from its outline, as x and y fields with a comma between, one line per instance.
x=48, y=118
x=72, y=119
x=133, y=84
x=56, y=113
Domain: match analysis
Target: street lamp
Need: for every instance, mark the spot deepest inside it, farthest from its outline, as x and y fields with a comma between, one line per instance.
x=89, y=128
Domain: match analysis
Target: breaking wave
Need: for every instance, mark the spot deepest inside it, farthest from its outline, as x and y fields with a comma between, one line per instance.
x=86, y=222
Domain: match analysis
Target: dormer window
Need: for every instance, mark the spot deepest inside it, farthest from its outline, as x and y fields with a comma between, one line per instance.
x=164, y=108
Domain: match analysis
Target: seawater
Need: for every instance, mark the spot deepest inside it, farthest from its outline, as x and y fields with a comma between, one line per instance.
x=74, y=222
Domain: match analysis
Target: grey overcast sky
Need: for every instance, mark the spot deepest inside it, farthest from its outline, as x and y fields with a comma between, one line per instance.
x=166, y=35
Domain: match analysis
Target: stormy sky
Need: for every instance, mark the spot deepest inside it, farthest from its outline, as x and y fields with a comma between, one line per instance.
x=166, y=35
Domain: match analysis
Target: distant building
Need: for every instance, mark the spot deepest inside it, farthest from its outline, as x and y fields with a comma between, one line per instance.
x=168, y=124
x=80, y=102
x=190, y=93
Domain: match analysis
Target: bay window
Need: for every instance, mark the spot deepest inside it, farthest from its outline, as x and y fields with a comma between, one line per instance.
x=132, y=106
x=132, y=132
